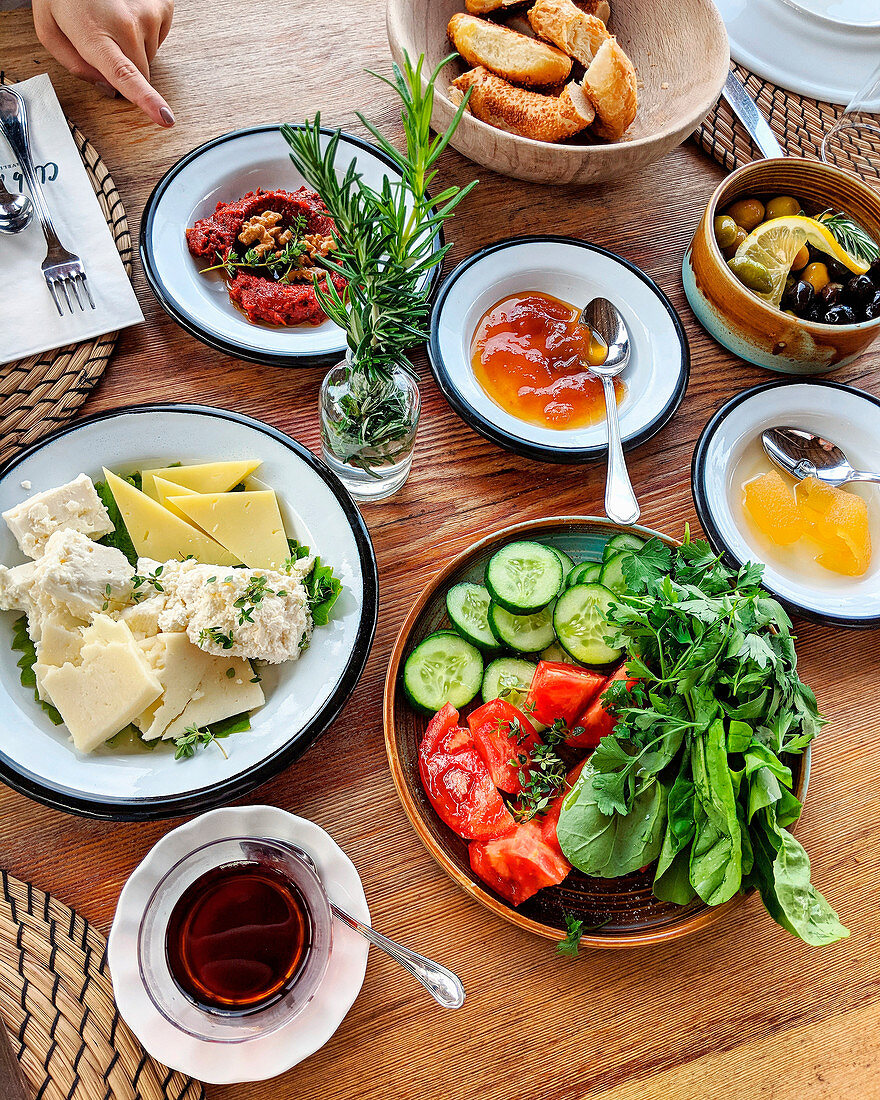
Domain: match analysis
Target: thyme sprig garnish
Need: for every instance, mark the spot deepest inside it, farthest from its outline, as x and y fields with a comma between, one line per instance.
x=280, y=264
x=251, y=599
x=215, y=634
x=850, y=236
x=541, y=771
x=192, y=739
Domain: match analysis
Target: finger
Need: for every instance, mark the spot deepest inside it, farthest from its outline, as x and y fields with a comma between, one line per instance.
x=61, y=48
x=126, y=77
x=165, y=26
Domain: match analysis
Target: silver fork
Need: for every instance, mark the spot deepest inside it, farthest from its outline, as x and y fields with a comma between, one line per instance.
x=62, y=269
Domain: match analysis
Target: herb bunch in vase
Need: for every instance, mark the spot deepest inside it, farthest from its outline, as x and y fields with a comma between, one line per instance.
x=387, y=245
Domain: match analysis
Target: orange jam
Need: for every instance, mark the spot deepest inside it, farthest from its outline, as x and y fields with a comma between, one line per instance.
x=533, y=359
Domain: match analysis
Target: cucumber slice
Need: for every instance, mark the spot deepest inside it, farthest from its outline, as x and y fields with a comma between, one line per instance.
x=612, y=572
x=621, y=542
x=523, y=577
x=444, y=668
x=565, y=560
x=523, y=633
x=581, y=623
x=585, y=573
x=556, y=653
x=467, y=605
x=507, y=678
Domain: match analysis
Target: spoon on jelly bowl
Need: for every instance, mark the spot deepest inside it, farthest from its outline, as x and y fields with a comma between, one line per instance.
x=444, y=986
x=803, y=454
x=604, y=319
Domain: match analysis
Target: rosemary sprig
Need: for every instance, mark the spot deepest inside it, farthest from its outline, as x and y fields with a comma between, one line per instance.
x=850, y=236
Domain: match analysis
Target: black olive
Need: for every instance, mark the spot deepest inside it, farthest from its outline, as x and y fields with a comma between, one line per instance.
x=831, y=293
x=874, y=271
x=836, y=271
x=872, y=309
x=815, y=311
x=859, y=290
x=799, y=297
x=840, y=315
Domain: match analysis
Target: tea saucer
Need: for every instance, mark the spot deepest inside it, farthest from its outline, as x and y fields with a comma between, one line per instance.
x=225, y=1063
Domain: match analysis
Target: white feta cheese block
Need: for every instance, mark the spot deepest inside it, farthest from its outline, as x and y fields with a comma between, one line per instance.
x=17, y=594
x=219, y=696
x=61, y=641
x=75, y=506
x=81, y=575
x=142, y=619
x=207, y=601
x=112, y=685
x=180, y=668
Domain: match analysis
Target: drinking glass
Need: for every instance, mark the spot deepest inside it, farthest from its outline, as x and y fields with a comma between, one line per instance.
x=853, y=143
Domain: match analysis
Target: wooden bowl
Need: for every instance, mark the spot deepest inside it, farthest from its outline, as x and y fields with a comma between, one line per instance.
x=681, y=57
x=621, y=912
x=739, y=320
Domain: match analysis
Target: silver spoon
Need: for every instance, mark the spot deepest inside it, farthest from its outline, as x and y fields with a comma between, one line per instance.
x=444, y=986
x=605, y=320
x=16, y=211
x=803, y=454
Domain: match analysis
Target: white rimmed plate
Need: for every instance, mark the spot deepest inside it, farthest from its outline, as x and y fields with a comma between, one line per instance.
x=576, y=272
x=825, y=49
x=223, y=170
x=839, y=413
x=302, y=697
x=264, y=1056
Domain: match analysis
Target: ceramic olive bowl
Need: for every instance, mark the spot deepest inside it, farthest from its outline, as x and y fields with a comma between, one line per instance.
x=675, y=94
x=738, y=319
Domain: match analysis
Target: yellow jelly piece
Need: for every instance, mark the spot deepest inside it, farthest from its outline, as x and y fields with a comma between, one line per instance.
x=838, y=522
x=773, y=509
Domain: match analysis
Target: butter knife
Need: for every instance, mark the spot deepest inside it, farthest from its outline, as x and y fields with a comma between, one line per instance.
x=12, y=1083
x=747, y=111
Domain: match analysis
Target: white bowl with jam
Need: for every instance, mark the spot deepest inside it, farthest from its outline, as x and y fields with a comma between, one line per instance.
x=509, y=356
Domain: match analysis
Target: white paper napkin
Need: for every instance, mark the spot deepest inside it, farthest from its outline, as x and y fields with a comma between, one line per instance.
x=29, y=321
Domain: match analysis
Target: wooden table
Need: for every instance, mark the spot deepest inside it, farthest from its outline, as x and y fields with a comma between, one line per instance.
x=741, y=1011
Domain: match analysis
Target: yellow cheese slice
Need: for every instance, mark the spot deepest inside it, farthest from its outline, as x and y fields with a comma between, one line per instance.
x=164, y=489
x=158, y=534
x=180, y=667
x=248, y=524
x=219, y=696
x=206, y=477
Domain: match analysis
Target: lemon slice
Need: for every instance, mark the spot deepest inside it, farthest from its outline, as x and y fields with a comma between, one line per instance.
x=774, y=245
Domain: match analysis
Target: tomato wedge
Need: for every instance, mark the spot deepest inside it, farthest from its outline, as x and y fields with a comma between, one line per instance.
x=561, y=691
x=520, y=864
x=457, y=781
x=596, y=721
x=502, y=735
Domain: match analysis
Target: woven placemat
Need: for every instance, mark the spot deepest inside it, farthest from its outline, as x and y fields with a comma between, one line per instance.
x=56, y=1000
x=40, y=393
x=799, y=124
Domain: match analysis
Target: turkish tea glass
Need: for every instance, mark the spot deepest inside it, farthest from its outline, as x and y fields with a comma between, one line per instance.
x=853, y=143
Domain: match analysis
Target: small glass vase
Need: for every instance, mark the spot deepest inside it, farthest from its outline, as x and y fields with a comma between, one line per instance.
x=368, y=428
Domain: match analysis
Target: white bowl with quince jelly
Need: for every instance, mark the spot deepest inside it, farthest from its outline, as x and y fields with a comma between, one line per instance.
x=302, y=697
x=729, y=454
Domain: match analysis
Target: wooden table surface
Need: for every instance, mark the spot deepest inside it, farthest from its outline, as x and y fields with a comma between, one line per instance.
x=742, y=1011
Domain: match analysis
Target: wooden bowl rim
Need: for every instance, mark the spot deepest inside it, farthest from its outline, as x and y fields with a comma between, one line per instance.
x=601, y=150
x=702, y=918
x=814, y=328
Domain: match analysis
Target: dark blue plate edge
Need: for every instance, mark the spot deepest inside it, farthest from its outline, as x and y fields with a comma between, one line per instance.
x=704, y=511
x=207, y=798
x=539, y=452
x=190, y=324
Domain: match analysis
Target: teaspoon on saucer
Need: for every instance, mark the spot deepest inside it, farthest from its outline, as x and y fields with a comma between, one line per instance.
x=803, y=454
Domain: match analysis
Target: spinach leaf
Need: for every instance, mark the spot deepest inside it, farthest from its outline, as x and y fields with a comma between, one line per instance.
x=21, y=643
x=716, y=855
x=672, y=878
x=119, y=537
x=673, y=884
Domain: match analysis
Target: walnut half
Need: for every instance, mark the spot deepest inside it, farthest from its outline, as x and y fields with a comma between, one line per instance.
x=264, y=234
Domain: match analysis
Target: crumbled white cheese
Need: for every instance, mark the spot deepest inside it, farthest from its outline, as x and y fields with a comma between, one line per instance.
x=142, y=619
x=80, y=575
x=26, y=485
x=17, y=594
x=75, y=506
x=201, y=599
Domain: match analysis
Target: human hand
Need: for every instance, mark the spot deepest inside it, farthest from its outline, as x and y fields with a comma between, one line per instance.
x=109, y=43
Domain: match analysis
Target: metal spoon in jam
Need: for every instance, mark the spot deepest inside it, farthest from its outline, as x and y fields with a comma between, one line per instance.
x=803, y=454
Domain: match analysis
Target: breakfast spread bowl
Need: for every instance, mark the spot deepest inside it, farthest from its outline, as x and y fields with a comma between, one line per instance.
x=742, y=322
x=674, y=92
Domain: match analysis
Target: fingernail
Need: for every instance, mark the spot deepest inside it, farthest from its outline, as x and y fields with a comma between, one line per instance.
x=166, y=116
x=106, y=89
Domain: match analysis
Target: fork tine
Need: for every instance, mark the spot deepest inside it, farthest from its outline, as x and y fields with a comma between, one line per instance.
x=72, y=283
x=85, y=285
x=51, y=285
x=63, y=283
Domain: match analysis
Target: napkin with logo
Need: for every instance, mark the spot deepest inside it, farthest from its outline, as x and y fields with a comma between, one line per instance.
x=29, y=321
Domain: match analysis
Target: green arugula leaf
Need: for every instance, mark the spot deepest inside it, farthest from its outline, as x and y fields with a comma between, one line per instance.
x=21, y=643
x=119, y=537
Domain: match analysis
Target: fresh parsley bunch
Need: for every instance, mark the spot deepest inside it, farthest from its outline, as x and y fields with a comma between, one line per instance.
x=695, y=775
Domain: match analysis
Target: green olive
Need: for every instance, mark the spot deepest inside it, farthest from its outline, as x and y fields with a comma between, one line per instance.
x=801, y=259
x=737, y=241
x=749, y=213
x=725, y=230
x=783, y=206
x=751, y=274
x=816, y=275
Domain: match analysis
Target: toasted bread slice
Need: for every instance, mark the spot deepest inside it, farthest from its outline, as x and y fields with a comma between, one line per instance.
x=610, y=82
x=566, y=26
x=522, y=112
x=485, y=7
x=600, y=8
x=515, y=57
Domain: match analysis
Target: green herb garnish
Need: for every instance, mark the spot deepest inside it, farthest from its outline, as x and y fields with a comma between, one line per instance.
x=850, y=236
x=215, y=634
x=21, y=643
x=194, y=738
x=278, y=264
x=569, y=946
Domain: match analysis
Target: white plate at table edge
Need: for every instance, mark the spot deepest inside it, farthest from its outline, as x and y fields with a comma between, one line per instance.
x=302, y=697
x=195, y=301
x=652, y=395
x=711, y=493
x=280, y=1050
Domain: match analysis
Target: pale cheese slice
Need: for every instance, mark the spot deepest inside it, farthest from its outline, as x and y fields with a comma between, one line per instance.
x=180, y=667
x=248, y=524
x=205, y=477
x=158, y=534
x=61, y=642
x=165, y=489
x=112, y=684
x=220, y=695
